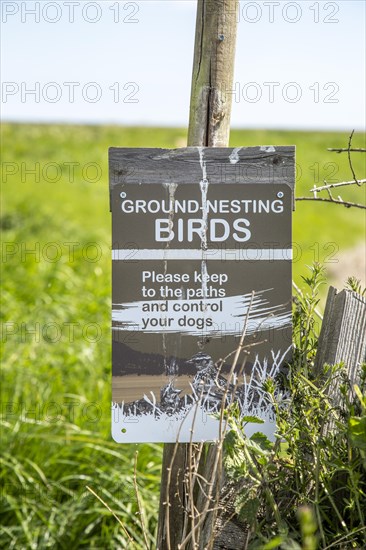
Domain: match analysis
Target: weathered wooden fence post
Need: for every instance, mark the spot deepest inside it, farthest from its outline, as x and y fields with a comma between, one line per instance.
x=209, y=125
x=343, y=334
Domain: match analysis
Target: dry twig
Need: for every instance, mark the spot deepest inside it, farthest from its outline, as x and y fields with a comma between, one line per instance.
x=346, y=149
x=349, y=157
x=333, y=185
x=113, y=514
x=328, y=186
x=334, y=201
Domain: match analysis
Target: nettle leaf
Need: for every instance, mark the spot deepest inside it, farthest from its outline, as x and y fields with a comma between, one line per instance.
x=262, y=440
x=234, y=457
x=252, y=419
x=357, y=431
x=256, y=448
x=230, y=441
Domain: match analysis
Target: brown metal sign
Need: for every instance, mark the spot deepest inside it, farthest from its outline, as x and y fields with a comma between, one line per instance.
x=196, y=264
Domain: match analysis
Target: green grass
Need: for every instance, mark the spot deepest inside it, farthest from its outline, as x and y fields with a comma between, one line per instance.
x=56, y=379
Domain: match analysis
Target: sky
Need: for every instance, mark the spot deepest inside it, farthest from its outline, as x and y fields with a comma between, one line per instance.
x=299, y=65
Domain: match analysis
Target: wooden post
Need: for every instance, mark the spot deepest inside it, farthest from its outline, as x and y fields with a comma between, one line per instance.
x=209, y=125
x=213, y=73
x=343, y=334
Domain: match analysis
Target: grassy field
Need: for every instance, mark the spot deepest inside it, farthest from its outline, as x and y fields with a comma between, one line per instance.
x=56, y=382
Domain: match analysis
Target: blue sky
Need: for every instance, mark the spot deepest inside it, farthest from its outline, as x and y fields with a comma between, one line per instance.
x=133, y=64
